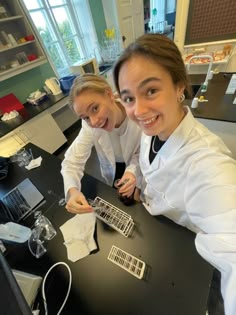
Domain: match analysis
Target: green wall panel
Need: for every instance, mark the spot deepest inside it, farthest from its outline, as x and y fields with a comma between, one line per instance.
x=98, y=17
x=25, y=83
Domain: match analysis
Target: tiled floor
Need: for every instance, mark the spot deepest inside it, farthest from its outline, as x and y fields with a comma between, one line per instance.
x=92, y=166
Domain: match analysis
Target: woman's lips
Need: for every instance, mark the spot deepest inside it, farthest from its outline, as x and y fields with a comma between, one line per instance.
x=104, y=125
x=146, y=123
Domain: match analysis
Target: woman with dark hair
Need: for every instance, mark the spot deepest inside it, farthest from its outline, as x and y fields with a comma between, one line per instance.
x=188, y=173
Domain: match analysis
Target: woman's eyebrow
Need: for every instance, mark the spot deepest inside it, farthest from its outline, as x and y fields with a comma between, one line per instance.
x=124, y=92
x=87, y=110
x=146, y=81
x=141, y=84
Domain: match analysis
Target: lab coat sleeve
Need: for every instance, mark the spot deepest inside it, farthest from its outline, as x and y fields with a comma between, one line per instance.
x=133, y=166
x=76, y=157
x=210, y=199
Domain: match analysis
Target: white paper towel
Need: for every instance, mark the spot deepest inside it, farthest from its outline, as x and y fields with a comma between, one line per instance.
x=78, y=235
x=34, y=163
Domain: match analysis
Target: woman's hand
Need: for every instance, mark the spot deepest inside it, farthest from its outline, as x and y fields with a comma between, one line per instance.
x=129, y=181
x=77, y=203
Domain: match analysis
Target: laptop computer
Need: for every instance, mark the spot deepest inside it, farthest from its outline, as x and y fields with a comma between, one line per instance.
x=20, y=201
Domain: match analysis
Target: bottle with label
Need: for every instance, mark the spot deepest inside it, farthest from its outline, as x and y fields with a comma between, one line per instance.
x=204, y=87
x=3, y=12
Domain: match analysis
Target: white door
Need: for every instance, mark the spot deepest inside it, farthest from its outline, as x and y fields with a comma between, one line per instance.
x=131, y=19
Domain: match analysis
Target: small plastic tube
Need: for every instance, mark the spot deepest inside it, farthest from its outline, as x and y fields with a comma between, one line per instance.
x=194, y=103
x=210, y=75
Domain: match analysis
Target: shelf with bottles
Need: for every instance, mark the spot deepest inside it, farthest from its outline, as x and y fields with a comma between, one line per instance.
x=14, y=34
x=9, y=11
x=18, y=55
x=20, y=49
x=11, y=18
x=20, y=68
x=16, y=46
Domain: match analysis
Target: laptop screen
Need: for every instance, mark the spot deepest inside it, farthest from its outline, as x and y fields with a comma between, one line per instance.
x=20, y=201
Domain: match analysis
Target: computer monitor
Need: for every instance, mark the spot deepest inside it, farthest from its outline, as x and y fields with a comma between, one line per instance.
x=12, y=300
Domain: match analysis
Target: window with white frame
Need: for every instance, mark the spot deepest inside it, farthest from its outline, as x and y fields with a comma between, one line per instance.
x=66, y=30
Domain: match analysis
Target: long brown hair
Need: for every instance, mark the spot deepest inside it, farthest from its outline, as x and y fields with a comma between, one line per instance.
x=159, y=49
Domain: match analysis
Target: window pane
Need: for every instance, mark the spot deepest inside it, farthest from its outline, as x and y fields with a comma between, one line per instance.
x=33, y=4
x=56, y=2
x=83, y=15
x=43, y=26
x=64, y=23
x=72, y=50
x=66, y=29
x=56, y=55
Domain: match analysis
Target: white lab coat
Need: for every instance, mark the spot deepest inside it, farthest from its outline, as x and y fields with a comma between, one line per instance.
x=192, y=181
x=78, y=153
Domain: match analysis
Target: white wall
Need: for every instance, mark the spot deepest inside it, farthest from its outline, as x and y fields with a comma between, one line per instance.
x=181, y=23
x=110, y=13
x=225, y=130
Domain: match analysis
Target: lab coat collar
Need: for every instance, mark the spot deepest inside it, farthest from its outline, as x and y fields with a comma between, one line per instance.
x=177, y=138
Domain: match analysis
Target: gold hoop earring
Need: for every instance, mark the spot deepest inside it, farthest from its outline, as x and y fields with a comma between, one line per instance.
x=181, y=98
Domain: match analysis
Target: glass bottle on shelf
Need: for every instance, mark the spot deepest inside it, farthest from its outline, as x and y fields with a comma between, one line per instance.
x=3, y=12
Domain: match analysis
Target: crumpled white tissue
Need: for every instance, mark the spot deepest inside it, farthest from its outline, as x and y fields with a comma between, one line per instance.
x=10, y=115
x=78, y=236
x=36, y=94
x=34, y=163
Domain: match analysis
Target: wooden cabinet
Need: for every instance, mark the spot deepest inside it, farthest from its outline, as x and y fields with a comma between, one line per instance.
x=20, y=50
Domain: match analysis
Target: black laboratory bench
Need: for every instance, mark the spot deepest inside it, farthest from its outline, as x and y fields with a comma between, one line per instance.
x=28, y=112
x=219, y=106
x=176, y=279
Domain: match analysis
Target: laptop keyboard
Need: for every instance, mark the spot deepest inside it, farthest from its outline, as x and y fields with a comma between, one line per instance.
x=15, y=205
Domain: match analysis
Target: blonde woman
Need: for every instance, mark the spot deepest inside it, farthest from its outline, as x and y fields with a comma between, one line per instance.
x=116, y=139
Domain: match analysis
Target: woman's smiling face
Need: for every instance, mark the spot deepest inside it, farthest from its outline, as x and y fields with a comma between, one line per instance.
x=150, y=96
x=96, y=109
